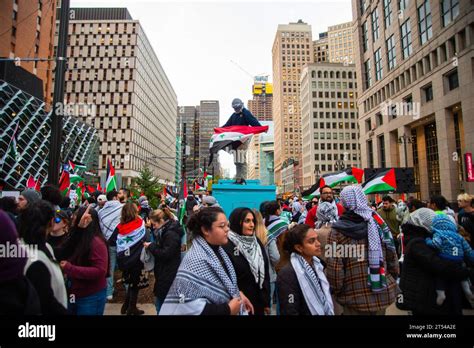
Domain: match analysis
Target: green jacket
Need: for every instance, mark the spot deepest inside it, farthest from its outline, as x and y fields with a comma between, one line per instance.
x=390, y=217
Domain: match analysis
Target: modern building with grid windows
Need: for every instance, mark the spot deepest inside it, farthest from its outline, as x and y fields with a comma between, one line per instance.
x=24, y=121
x=113, y=66
x=329, y=119
x=415, y=69
x=292, y=49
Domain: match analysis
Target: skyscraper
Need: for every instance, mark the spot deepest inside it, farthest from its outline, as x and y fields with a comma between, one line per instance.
x=292, y=49
x=341, y=43
x=321, y=48
x=187, y=116
x=27, y=31
x=113, y=67
x=208, y=117
x=261, y=104
x=329, y=119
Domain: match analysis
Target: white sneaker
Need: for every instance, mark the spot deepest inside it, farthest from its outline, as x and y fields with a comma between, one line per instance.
x=109, y=298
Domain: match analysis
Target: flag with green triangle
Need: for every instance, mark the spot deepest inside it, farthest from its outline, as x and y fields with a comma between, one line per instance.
x=64, y=183
x=383, y=181
x=110, y=183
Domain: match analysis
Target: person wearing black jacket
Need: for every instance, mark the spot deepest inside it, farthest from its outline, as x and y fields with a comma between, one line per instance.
x=249, y=259
x=17, y=294
x=422, y=266
x=166, y=250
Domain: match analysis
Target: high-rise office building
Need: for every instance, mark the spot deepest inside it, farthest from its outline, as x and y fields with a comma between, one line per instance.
x=187, y=116
x=208, y=118
x=27, y=31
x=341, y=43
x=329, y=119
x=321, y=48
x=415, y=82
x=261, y=104
x=113, y=67
x=292, y=49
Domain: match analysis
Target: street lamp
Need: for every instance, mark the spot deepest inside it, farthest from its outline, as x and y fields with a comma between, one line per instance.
x=406, y=139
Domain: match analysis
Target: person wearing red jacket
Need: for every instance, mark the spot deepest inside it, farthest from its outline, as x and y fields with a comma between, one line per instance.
x=327, y=195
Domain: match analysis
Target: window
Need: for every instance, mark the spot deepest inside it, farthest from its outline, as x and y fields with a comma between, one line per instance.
x=406, y=39
x=453, y=81
x=403, y=4
x=375, y=24
x=363, y=6
x=378, y=65
x=449, y=11
x=365, y=40
x=381, y=140
x=424, y=22
x=379, y=118
x=368, y=79
x=391, y=54
x=387, y=12
x=428, y=93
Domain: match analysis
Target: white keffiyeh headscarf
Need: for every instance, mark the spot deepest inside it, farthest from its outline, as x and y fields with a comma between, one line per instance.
x=252, y=252
x=354, y=199
x=326, y=213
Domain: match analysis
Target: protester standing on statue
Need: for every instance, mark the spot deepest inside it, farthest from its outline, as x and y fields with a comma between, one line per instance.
x=241, y=117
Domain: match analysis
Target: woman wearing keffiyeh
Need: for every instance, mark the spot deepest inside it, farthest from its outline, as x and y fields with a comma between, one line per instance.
x=249, y=259
x=363, y=283
x=206, y=283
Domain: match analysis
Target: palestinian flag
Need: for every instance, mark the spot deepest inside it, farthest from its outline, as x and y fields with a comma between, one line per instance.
x=333, y=179
x=110, y=183
x=233, y=137
x=183, y=195
x=99, y=188
x=73, y=167
x=381, y=182
x=64, y=183
x=74, y=178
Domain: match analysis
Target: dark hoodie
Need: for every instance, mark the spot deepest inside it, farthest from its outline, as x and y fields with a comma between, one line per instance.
x=351, y=225
x=17, y=295
x=421, y=267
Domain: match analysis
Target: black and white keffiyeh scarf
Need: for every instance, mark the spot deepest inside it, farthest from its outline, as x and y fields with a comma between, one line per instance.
x=313, y=284
x=252, y=252
x=201, y=279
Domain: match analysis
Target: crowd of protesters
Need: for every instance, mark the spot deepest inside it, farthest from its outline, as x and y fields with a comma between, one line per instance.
x=324, y=256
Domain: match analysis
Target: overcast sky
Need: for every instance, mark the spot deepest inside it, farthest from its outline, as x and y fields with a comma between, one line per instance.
x=196, y=41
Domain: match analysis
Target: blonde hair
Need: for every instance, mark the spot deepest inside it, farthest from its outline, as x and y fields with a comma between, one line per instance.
x=466, y=197
x=161, y=214
x=260, y=229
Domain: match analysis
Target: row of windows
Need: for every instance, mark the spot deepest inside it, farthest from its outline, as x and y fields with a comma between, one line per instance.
x=331, y=74
x=342, y=136
x=332, y=105
x=333, y=115
x=334, y=146
x=450, y=10
x=333, y=95
x=445, y=52
x=329, y=157
x=335, y=125
x=333, y=85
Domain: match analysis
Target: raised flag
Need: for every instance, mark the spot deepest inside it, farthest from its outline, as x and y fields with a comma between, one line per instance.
x=64, y=183
x=38, y=185
x=332, y=179
x=382, y=182
x=111, y=183
x=233, y=137
x=75, y=167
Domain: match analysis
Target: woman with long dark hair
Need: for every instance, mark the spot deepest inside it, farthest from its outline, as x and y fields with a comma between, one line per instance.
x=250, y=259
x=206, y=283
x=42, y=269
x=86, y=264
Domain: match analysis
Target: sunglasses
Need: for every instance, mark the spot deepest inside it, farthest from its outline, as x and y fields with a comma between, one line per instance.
x=57, y=218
